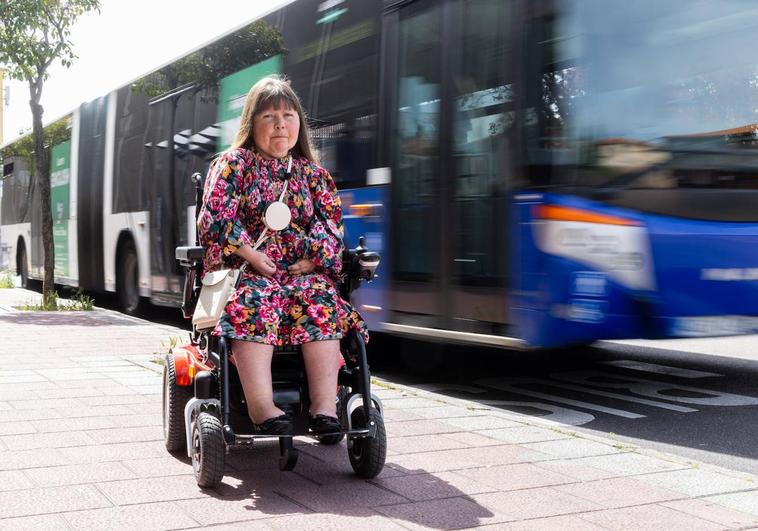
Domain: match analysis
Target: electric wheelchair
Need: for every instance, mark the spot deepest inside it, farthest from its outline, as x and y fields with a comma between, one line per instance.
x=204, y=410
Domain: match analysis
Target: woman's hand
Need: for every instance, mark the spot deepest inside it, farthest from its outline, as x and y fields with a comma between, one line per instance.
x=261, y=263
x=301, y=267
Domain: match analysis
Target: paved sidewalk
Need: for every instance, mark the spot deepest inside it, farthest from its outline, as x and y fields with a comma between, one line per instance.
x=81, y=448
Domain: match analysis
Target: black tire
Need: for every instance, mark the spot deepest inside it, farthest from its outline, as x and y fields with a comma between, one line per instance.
x=207, y=450
x=342, y=396
x=127, y=281
x=23, y=266
x=175, y=397
x=367, y=456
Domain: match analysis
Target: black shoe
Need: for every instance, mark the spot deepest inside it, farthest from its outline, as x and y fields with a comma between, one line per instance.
x=324, y=424
x=281, y=425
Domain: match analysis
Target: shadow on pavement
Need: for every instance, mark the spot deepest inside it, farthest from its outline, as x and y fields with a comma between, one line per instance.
x=323, y=483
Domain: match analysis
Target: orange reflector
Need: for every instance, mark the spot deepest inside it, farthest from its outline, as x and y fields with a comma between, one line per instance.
x=365, y=209
x=562, y=213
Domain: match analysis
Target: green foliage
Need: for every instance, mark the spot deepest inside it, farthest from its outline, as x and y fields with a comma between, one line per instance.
x=6, y=279
x=51, y=302
x=34, y=33
x=55, y=133
x=207, y=66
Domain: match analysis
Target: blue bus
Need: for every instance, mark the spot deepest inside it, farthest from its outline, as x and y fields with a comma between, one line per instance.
x=535, y=173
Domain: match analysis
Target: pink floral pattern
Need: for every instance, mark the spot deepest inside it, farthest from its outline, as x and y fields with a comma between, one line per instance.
x=283, y=308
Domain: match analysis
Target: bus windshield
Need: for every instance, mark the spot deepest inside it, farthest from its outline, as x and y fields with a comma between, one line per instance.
x=649, y=94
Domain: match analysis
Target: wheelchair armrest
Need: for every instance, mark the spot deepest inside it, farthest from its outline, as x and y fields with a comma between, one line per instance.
x=189, y=256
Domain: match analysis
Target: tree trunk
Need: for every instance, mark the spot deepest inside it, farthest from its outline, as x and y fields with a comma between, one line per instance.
x=42, y=171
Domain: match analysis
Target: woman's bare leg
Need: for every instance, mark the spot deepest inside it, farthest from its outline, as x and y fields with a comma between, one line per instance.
x=254, y=367
x=321, y=365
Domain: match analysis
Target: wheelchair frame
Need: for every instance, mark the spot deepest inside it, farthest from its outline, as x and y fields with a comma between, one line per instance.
x=201, y=392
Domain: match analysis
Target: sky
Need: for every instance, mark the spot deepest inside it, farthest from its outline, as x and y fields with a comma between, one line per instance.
x=126, y=40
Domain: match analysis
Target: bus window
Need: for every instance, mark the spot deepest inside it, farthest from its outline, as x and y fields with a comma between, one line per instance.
x=416, y=159
x=483, y=118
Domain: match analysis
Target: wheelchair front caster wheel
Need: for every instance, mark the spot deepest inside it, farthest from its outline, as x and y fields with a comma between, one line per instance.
x=207, y=450
x=288, y=459
x=287, y=454
x=368, y=454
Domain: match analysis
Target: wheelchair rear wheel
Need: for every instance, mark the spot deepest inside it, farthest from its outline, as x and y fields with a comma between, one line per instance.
x=207, y=450
x=175, y=397
x=367, y=455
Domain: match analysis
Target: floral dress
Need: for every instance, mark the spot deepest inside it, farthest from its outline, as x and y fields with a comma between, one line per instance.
x=283, y=308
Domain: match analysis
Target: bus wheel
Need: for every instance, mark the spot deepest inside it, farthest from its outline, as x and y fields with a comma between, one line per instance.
x=23, y=266
x=127, y=281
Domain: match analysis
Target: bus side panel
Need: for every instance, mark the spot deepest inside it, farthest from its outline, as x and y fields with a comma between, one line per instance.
x=366, y=213
x=565, y=289
x=707, y=273
x=91, y=160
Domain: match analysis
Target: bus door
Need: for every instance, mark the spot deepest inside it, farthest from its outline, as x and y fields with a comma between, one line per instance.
x=449, y=115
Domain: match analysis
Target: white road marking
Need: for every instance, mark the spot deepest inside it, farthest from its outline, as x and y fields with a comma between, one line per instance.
x=616, y=396
x=561, y=415
x=511, y=385
x=659, y=369
x=654, y=389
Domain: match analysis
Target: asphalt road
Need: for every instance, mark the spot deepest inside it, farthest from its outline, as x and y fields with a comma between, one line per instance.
x=693, y=398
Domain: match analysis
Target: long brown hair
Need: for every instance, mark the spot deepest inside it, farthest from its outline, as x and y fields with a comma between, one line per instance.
x=273, y=92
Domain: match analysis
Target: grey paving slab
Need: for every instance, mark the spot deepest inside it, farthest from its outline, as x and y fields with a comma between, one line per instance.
x=630, y=463
x=450, y=513
x=576, y=469
x=50, y=501
x=515, y=477
x=159, y=466
x=14, y=480
x=338, y=497
x=523, y=434
x=126, y=434
x=473, y=439
x=109, y=452
x=147, y=517
x=419, y=487
x=46, y=404
x=746, y=502
x=713, y=512
x=410, y=403
x=46, y=440
x=16, y=428
x=424, y=443
x=56, y=476
x=48, y=522
x=619, y=492
x=464, y=458
x=553, y=523
x=535, y=503
x=146, y=490
x=419, y=427
x=441, y=411
x=249, y=504
x=696, y=482
x=572, y=447
x=73, y=424
x=482, y=422
x=647, y=517
x=357, y=520
x=24, y=459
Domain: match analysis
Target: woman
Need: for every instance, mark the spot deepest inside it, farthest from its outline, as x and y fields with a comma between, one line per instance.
x=288, y=292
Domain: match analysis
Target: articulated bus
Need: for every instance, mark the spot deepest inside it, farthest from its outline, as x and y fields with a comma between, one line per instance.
x=534, y=172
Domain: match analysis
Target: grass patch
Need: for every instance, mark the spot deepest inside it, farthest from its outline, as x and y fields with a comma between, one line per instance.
x=6, y=279
x=169, y=344
x=79, y=302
